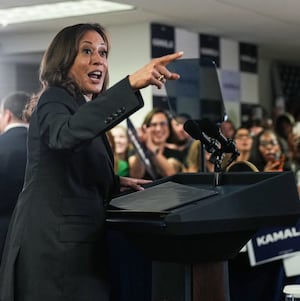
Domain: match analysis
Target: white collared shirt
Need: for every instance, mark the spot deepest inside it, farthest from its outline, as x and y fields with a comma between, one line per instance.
x=14, y=125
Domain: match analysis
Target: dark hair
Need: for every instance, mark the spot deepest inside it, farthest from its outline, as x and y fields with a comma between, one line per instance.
x=184, y=116
x=256, y=156
x=30, y=106
x=61, y=53
x=59, y=58
x=241, y=128
x=15, y=103
x=154, y=111
x=280, y=121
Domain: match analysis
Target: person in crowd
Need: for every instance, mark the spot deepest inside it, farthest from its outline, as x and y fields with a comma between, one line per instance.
x=197, y=152
x=13, y=156
x=296, y=165
x=268, y=153
x=157, y=130
x=255, y=127
x=228, y=128
x=283, y=127
x=123, y=149
x=55, y=247
x=243, y=141
x=181, y=141
x=194, y=159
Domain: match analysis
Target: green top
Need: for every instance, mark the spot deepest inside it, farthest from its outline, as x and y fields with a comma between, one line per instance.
x=123, y=168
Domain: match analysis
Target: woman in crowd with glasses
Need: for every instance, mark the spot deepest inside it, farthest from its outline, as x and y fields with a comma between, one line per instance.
x=157, y=131
x=268, y=153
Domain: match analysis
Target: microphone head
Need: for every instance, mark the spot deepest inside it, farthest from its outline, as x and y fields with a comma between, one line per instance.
x=212, y=130
x=209, y=128
x=192, y=128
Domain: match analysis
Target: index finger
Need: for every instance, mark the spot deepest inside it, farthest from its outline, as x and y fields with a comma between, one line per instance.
x=166, y=59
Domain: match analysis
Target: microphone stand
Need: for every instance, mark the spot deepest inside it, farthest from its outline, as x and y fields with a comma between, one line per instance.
x=214, y=143
x=202, y=158
x=217, y=158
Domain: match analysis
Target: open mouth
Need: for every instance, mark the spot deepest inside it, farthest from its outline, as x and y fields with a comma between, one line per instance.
x=95, y=75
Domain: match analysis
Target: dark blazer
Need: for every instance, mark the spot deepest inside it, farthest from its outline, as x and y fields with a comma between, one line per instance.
x=13, y=156
x=55, y=246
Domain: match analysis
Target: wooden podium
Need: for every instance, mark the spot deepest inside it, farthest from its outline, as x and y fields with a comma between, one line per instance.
x=186, y=219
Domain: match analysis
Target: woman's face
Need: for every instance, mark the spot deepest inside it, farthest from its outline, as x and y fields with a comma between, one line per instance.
x=269, y=147
x=243, y=140
x=178, y=128
x=159, y=128
x=90, y=66
x=227, y=129
x=121, y=140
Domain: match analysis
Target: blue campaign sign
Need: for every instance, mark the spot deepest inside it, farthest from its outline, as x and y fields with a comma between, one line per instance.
x=274, y=243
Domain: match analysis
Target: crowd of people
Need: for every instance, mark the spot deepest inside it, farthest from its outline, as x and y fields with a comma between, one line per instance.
x=272, y=146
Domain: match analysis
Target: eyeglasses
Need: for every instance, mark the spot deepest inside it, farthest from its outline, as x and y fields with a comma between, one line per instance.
x=161, y=124
x=243, y=136
x=265, y=143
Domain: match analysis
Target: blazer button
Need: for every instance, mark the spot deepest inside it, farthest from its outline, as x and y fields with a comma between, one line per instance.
x=108, y=120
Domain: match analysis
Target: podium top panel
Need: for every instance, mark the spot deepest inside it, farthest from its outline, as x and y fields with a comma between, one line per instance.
x=183, y=202
x=163, y=197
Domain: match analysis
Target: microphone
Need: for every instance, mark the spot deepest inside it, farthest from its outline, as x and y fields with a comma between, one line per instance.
x=193, y=129
x=212, y=130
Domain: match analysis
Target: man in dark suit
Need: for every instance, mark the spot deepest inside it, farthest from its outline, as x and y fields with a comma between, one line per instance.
x=13, y=156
